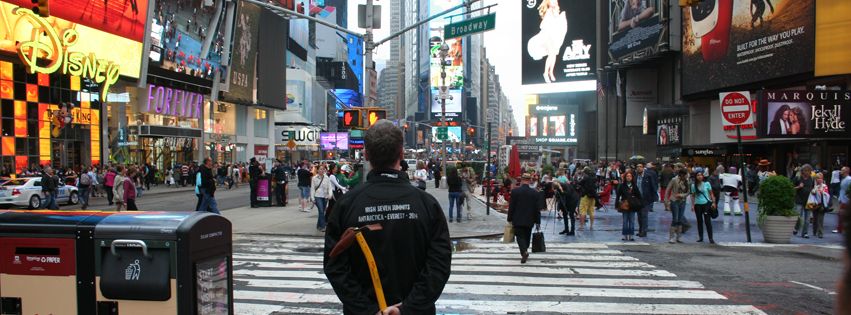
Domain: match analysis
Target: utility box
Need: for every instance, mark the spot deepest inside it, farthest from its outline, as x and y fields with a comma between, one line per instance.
x=46, y=262
x=164, y=263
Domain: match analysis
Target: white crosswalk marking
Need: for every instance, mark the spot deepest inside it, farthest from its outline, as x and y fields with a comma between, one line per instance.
x=283, y=275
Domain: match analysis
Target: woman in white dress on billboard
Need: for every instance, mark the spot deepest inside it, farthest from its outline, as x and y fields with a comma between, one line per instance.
x=549, y=40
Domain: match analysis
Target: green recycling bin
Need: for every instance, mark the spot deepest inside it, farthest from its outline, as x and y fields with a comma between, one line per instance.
x=164, y=263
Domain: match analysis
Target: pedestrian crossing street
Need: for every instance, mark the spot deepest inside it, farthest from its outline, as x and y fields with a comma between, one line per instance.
x=283, y=275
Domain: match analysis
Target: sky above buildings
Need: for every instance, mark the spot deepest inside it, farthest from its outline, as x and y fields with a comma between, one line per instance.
x=502, y=43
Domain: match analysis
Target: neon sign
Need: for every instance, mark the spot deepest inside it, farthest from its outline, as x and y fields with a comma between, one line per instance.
x=174, y=102
x=56, y=50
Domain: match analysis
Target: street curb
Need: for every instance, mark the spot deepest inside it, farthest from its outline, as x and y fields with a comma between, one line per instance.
x=304, y=235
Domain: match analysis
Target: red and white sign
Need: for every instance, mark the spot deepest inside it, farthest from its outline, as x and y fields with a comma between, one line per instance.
x=736, y=108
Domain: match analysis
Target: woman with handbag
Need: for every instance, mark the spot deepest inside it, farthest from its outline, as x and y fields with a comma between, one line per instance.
x=703, y=205
x=629, y=203
x=819, y=203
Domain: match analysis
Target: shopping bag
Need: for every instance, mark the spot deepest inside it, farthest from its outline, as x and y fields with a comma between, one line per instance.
x=538, y=245
x=508, y=233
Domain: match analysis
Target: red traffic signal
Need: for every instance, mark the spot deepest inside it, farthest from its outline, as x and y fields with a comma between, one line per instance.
x=351, y=119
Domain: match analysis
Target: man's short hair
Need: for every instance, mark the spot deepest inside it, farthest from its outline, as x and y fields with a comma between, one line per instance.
x=383, y=144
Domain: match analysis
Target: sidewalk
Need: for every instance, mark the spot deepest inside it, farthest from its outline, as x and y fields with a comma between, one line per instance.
x=290, y=221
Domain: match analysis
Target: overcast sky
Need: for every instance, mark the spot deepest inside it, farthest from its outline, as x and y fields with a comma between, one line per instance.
x=502, y=43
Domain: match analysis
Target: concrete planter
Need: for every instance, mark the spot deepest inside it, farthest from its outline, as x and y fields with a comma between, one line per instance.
x=778, y=229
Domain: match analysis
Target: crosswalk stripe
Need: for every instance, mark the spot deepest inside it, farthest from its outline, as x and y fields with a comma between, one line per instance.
x=490, y=306
x=549, y=245
x=249, y=308
x=293, y=250
x=545, y=256
x=253, y=256
x=556, y=265
x=315, y=276
x=475, y=289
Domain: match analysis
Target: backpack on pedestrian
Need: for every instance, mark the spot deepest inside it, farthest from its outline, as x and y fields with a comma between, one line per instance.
x=85, y=180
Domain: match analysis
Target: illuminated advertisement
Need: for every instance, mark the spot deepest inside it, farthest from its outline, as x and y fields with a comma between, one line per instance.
x=454, y=66
x=32, y=131
x=122, y=18
x=74, y=47
x=334, y=141
x=453, y=104
x=734, y=42
x=637, y=30
x=179, y=30
x=553, y=125
x=454, y=132
x=244, y=53
x=558, y=39
x=805, y=114
x=669, y=131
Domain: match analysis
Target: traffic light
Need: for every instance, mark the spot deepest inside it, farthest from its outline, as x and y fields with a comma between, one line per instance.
x=41, y=8
x=688, y=3
x=376, y=114
x=471, y=131
x=351, y=119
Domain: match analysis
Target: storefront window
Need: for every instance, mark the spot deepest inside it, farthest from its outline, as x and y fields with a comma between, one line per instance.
x=131, y=109
x=261, y=123
x=221, y=132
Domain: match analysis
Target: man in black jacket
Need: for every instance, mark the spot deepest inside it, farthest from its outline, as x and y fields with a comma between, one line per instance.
x=524, y=211
x=253, y=176
x=208, y=188
x=412, y=251
x=281, y=181
x=568, y=199
x=648, y=185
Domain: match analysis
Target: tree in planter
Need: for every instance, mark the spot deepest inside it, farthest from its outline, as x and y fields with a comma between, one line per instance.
x=776, y=198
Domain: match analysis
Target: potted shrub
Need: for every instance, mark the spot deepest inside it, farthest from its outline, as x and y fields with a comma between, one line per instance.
x=777, y=216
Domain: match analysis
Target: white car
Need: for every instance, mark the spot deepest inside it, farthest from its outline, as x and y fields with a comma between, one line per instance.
x=26, y=192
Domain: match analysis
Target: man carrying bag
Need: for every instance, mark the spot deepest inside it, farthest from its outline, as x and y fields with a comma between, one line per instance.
x=524, y=211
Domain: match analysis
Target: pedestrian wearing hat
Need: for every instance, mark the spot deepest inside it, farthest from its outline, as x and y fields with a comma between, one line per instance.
x=524, y=212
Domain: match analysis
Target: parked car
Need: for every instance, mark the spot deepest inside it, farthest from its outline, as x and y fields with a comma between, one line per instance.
x=26, y=192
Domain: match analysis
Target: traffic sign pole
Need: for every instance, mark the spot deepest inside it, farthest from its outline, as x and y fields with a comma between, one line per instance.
x=744, y=182
x=736, y=111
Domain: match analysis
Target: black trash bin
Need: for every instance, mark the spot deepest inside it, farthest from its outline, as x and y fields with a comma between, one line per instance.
x=47, y=261
x=164, y=263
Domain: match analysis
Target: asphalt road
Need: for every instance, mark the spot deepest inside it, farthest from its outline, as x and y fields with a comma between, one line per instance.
x=182, y=200
x=778, y=280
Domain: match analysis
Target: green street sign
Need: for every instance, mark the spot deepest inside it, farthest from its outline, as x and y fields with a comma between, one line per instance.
x=442, y=133
x=470, y=26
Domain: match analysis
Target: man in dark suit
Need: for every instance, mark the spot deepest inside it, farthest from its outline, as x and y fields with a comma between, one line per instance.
x=524, y=211
x=648, y=185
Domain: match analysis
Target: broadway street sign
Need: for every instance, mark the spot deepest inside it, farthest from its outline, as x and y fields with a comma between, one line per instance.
x=470, y=26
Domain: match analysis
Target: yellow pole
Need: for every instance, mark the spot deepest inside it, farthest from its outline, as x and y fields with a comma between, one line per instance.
x=373, y=270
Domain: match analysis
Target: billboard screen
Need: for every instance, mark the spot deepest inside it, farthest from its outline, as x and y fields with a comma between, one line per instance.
x=454, y=66
x=732, y=42
x=91, y=40
x=805, y=114
x=244, y=53
x=182, y=35
x=669, y=131
x=636, y=30
x=557, y=41
x=330, y=141
x=553, y=125
x=123, y=18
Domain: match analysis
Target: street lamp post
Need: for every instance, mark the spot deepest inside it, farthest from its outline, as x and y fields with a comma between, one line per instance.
x=444, y=52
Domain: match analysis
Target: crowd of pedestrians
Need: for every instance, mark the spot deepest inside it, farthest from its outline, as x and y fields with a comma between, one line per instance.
x=578, y=190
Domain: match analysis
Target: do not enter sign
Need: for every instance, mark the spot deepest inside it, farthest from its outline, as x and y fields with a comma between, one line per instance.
x=736, y=108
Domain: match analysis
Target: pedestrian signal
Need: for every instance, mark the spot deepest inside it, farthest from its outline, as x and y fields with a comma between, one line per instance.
x=351, y=119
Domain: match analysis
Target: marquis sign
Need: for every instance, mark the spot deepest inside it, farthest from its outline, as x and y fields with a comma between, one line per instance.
x=173, y=102
x=56, y=50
